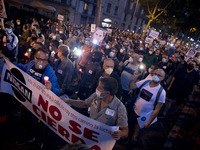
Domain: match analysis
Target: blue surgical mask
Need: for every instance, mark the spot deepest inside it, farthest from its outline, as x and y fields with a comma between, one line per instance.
x=164, y=60
x=9, y=30
x=87, y=42
x=156, y=79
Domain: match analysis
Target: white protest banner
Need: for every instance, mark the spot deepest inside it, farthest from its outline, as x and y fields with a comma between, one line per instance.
x=60, y=17
x=162, y=42
x=98, y=36
x=148, y=40
x=93, y=27
x=154, y=34
x=53, y=112
x=190, y=54
x=2, y=10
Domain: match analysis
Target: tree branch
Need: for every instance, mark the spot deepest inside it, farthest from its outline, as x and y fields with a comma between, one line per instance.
x=162, y=10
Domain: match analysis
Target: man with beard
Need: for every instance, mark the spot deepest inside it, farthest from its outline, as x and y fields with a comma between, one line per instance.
x=182, y=83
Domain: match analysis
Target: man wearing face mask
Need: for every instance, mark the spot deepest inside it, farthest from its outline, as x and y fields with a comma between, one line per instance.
x=18, y=28
x=10, y=42
x=149, y=101
x=64, y=68
x=108, y=67
x=38, y=69
x=90, y=76
x=129, y=67
x=86, y=55
x=105, y=107
x=163, y=63
x=112, y=55
x=182, y=83
x=150, y=58
x=70, y=41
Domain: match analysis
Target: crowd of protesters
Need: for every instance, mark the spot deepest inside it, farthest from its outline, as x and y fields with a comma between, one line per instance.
x=86, y=71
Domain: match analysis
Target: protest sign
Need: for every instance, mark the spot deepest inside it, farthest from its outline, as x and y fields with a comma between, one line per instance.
x=190, y=54
x=93, y=27
x=2, y=10
x=60, y=17
x=162, y=42
x=149, y=40
x=53, y=112
x=154, y=34
x=98, y=36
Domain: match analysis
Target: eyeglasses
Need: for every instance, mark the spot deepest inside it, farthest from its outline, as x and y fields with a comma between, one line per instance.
x=157, y=74
x=40, y=59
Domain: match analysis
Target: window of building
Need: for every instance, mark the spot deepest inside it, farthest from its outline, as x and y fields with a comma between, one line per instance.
x=64, y=1
x=85, y=6
x=131, y=6
x=125, y=17
x=136, y=21
x=116, y=10
x=83, y=20
x=94, y=11
x=108, y=7
x=69, y=2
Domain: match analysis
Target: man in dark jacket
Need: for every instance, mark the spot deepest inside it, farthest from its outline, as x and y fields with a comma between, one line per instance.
x=150, y=58
x=64, y=68
x=91, y=76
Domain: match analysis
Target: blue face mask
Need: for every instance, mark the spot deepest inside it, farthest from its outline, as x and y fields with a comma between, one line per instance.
x=87, y=42
x=9, y=30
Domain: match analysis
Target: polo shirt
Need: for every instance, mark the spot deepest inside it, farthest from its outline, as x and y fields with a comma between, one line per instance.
x=113, y=115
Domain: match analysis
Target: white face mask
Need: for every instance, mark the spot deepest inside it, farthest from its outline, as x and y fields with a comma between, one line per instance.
x=98, y=93
x=50, y=48
x=156, y=79
x=150, y=52
x=53, y=37
x=149, y=70
x=121, y=50
x=107, y=46
x=140, y=59
x=109, y=71
x=112, y=54
x=130, y=59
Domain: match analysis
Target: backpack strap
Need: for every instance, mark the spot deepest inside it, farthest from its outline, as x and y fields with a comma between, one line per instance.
x=157, y=97
x=145, y=82
x=158, y=94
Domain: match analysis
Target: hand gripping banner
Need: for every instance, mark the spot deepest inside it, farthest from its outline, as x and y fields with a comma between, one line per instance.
x=56, y=114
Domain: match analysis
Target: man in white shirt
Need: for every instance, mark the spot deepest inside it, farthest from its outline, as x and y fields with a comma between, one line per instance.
x=149, y=101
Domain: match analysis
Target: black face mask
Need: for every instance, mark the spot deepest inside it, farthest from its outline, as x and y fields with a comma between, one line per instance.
x=190, y=67
x=34, y=38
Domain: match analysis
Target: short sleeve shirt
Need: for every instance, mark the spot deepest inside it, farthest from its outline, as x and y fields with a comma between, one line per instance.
x=113, y=115
x=147, y=96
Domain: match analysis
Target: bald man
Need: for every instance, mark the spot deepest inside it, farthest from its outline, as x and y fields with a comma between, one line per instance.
x=146, y=102
x=108, y=67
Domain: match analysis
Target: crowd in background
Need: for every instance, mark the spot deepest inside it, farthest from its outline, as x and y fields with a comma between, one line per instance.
x=79, y=63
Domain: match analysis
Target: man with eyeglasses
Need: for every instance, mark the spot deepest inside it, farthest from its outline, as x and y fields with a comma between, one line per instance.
x=38, y=69
x=148, y=103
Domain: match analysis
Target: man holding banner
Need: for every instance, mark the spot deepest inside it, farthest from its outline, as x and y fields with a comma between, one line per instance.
x=105, y=107
x=44, y=73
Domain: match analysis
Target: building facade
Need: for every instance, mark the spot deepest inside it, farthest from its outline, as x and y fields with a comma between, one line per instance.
x=123, y=14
